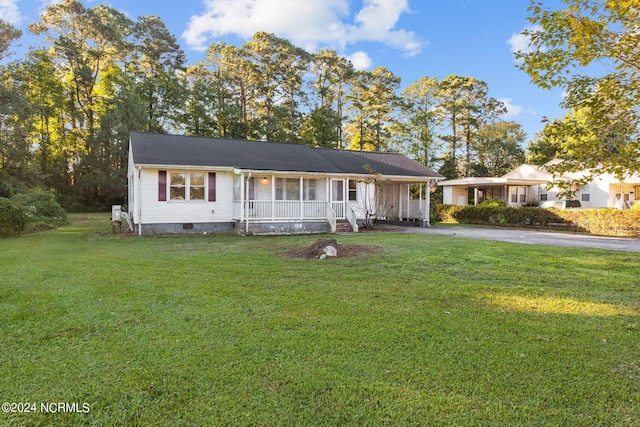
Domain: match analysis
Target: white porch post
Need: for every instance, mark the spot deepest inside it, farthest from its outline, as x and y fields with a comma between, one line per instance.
x=301, y=198
x=399, y=203
x=241, y=197
x=419, y=200
x=408, y=214
x=428, y=199
x=327, y=185
x=273, y=198
x=475, y=196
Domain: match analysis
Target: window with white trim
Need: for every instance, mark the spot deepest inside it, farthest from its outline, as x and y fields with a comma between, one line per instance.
x=586, y=193
x=251, y=191
x=287, y=188
x=544, y=195
x=186, y=186
x=309, y=189
x=518, y=194
x=523, y=194
x=353, y=190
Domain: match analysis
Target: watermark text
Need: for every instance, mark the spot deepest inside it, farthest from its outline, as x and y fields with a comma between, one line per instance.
x=46, y=407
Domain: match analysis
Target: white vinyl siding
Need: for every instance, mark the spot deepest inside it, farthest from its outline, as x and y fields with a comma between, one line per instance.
x=154, y=212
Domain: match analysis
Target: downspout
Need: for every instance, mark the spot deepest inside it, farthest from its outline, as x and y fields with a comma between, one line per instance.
x=246, y=197
x=137, y=201
x=241, y=199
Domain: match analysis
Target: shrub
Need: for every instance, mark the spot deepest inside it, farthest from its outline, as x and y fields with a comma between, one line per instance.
x=42, y=207
x=13, y=217
x=6, y=190
x=493, y=203
x=34, y=210
x=446, y=213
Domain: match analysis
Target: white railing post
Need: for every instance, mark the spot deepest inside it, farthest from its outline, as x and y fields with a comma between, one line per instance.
x=331, y=217
x=351, y=217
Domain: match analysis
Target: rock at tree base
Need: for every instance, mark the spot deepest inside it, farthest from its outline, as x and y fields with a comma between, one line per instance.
x=324, y=248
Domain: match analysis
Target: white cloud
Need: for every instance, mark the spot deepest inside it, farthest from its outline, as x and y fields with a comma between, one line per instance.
x=310, y=23
x=514, y=110
x=521, y=43
x=376, y=22
x=360, y=60
x=9, y=11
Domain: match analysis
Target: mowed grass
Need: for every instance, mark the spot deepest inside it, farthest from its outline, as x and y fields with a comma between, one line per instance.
x=224, y=330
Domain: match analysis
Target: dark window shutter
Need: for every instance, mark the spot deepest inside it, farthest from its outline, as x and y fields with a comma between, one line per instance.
x=162, y=186
x=212, y=187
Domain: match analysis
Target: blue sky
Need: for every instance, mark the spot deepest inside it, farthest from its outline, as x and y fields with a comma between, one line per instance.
x=412, y=38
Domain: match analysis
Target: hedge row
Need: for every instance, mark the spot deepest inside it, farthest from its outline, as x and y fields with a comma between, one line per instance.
x=610, y=222
x=606, y=222
x=497, y=215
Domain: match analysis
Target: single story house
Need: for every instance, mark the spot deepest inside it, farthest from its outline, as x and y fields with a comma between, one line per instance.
x=531, y=185
x=194, y=184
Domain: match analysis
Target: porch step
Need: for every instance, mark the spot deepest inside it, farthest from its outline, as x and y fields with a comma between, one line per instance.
x=343, y=227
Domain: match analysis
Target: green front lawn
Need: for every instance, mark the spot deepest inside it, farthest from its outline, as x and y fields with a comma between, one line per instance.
x=211, y=330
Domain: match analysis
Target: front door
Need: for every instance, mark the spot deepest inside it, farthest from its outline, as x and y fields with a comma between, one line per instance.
x=337, y=197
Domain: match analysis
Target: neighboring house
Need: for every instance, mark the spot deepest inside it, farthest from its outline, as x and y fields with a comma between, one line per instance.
x=531, y=185
x=193, y=184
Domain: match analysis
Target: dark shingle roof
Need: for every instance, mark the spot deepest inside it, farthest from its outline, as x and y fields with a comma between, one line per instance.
x=175, y=150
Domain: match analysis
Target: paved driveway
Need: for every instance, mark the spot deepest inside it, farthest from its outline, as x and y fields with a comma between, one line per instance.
x=532, y=237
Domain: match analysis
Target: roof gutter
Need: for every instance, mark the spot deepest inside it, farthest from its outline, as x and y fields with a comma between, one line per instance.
x=185, y=167
x=406, y=178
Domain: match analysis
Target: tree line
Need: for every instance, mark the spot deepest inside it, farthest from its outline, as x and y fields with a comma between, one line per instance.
x=67, y=106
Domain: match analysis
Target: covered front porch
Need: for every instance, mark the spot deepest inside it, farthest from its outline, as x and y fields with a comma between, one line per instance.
x=314, y=202
x=514, y=193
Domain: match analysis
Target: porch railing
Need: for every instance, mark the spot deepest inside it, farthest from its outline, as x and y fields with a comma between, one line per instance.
x=338, y=209
x=283, y=210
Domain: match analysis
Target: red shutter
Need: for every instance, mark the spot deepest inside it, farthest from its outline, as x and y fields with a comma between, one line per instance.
x=162, y=186
x=212, y=187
